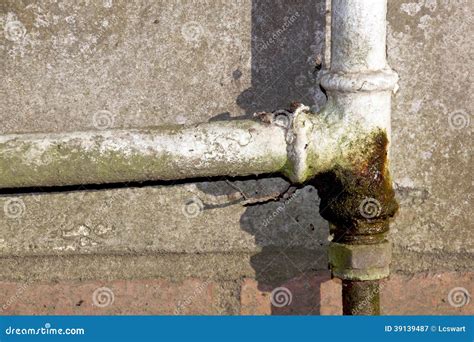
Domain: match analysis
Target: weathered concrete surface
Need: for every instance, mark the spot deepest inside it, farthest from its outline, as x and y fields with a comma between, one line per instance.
x=429, y=45
x=174, y=219
x=143, y=63
x=111, y=64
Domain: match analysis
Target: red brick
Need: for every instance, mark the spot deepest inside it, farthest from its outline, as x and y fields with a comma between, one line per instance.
x=136, y=297
x=425, y=294
x=311, y=294
x=421, y=294
x=307, y=293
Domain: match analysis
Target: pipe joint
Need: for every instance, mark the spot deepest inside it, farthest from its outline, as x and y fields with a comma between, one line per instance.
x=299, y=145
x=381, y=80
x=360, y=262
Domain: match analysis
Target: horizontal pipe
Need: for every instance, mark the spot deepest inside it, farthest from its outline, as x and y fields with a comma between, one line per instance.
x=243, y=147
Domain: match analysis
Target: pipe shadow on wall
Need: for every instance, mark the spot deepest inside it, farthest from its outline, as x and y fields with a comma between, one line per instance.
x=287, y=42
x=287, y=48
x=287, y=45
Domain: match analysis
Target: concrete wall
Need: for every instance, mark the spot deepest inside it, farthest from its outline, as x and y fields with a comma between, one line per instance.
x=225, y=243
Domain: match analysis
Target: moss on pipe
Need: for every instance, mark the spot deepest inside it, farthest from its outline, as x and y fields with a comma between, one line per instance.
x=358, y=178
x=236, y=148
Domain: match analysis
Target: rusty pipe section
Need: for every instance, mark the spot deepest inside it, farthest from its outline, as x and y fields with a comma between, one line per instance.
x=342, y=151
x=356, y=191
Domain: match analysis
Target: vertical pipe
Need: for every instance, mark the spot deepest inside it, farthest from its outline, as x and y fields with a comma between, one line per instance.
x=360, y=297
x=358, y=35
x=359, y=84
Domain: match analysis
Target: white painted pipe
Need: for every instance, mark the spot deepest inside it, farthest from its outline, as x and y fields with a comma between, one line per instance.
x=359, y=82
x=280, y=143
x=359, y=85
x=210, y=149
x=358, y=35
